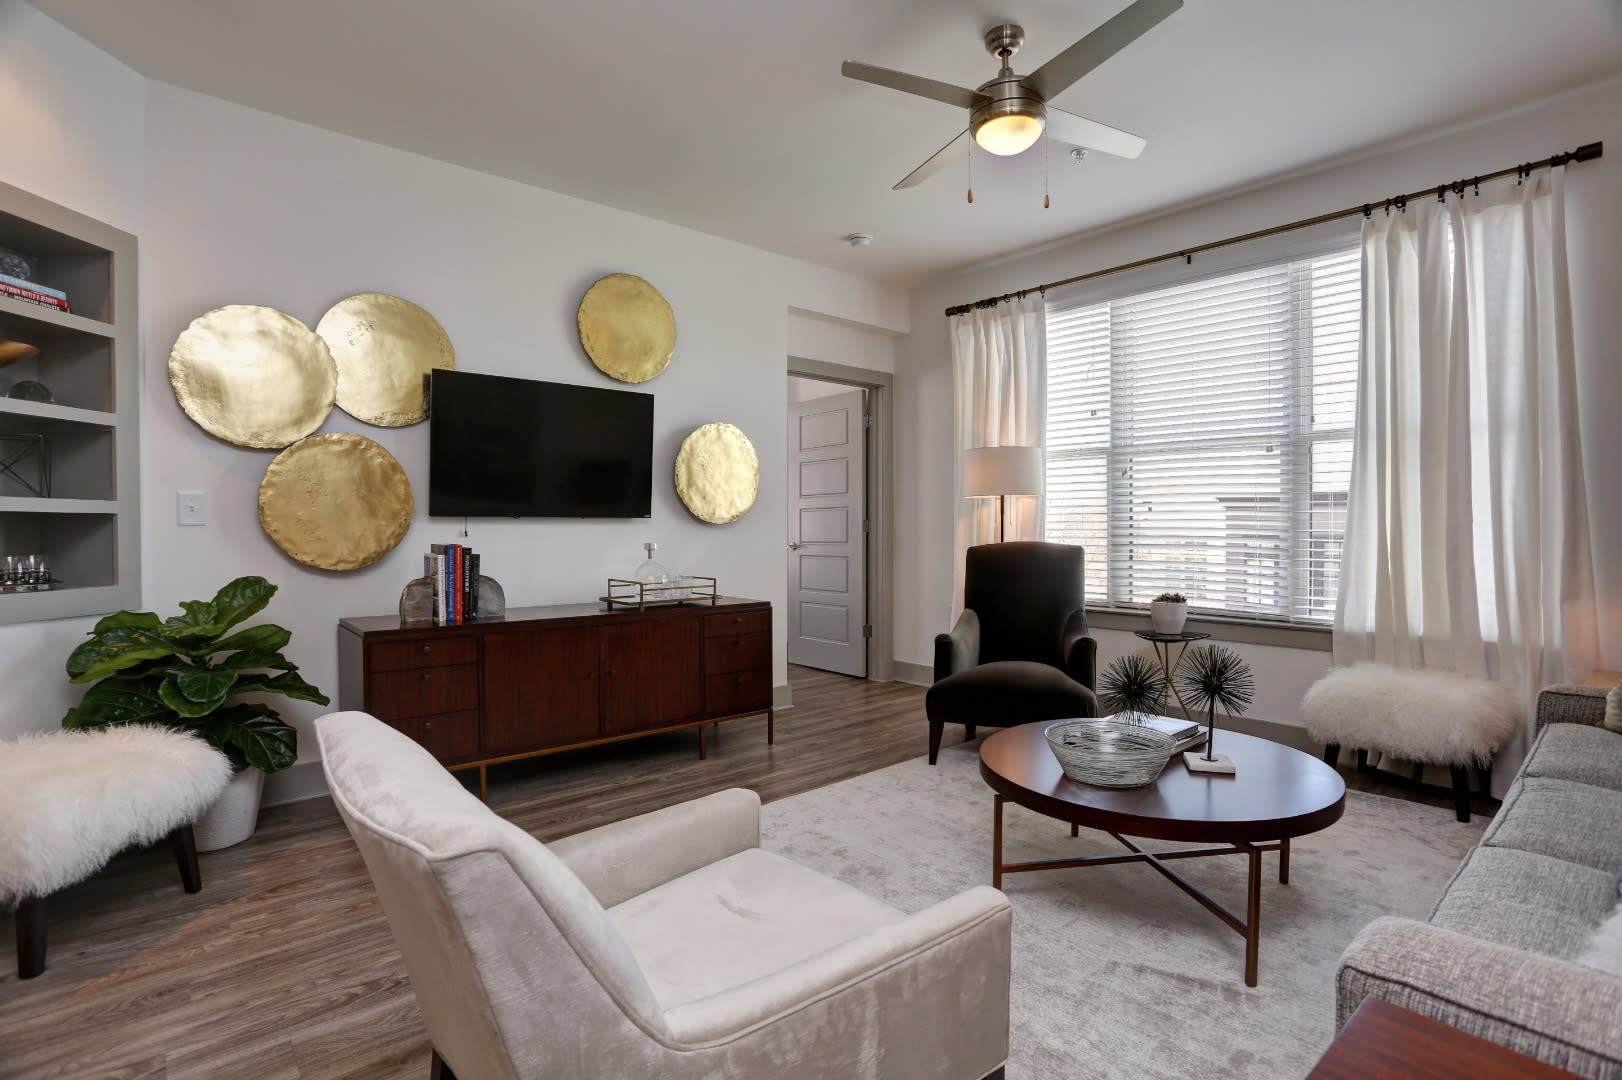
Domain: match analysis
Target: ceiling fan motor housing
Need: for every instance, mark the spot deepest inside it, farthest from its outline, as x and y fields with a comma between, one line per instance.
x=1007, y=93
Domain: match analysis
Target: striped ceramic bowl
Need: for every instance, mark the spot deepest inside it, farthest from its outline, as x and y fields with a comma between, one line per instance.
x=1110, y=753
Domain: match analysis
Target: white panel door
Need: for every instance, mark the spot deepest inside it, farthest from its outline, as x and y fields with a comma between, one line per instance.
x=827, y=586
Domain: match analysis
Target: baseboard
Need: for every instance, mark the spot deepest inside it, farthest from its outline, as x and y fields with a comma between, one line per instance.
x=782, y=697
x=916, y=674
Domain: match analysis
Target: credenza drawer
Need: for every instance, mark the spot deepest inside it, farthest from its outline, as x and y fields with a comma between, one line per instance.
x=416, y=654
x=738, y=691
x=396, y=695
x=740, y=652
x=450, y=737
x=748, y=622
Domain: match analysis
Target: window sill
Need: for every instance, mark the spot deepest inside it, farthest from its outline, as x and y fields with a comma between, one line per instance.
x=1222, y=628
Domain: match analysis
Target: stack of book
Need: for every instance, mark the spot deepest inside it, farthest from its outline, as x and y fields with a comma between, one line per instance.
x=1188, y=733
x=33, y=292
x=454, y=570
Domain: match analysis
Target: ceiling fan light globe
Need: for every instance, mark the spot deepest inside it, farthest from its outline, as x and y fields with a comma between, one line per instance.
x=1008, y=134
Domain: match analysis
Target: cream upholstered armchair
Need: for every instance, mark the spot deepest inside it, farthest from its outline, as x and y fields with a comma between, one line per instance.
x=669, y=945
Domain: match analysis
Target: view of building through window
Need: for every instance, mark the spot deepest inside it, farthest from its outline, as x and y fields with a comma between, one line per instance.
x=1199, y=437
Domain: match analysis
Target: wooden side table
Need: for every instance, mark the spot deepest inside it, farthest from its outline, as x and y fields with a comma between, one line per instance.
x=1383, y=1041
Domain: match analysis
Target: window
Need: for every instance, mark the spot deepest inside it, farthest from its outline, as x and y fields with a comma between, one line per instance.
x=1199, y=438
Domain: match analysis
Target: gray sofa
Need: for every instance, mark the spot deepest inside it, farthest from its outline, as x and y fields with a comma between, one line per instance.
x=1495, y=956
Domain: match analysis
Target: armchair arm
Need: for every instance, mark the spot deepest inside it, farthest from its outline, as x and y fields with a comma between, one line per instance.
x=959, y=650
x=1554, y=1010
x=1079, y=650
x=629, y=857
x=957, y=949
x=1571, y=705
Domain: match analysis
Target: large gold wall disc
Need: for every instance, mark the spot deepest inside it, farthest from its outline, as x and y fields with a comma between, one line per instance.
x=253, y=376
x=335, y=502
x=717, y=473
x=627, y=328
x=384, y=347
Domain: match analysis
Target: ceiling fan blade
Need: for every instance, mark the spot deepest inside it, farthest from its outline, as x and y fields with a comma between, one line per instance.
x=952, y=152
x=1057, y=74
x=1080, y=131
x=912, y=84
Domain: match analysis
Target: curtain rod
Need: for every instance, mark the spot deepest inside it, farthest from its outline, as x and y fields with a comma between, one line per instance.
x=1586, y=152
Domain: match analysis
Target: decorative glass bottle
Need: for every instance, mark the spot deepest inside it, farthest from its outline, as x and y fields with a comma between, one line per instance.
x=653, y=572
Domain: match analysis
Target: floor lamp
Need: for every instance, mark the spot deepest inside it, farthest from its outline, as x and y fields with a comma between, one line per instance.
x=999, y=471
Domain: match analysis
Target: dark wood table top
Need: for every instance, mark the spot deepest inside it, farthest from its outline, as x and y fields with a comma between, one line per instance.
x=1278, y=792
x=1383, y=1041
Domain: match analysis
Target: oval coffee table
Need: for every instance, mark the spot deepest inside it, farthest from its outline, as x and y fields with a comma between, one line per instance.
x=1277, y=793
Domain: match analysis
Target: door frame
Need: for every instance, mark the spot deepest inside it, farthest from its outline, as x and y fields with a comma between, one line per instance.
x=878, y=552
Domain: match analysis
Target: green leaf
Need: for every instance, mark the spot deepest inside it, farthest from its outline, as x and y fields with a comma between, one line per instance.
x=170, y=693
x=198, y=621
x=242, y=598
x=138, y=620
x=111, y=651
x=252, y=660
x=252, y=734
x=267, y=637
x=121, y=700
x=204, y=684
x=288, y=684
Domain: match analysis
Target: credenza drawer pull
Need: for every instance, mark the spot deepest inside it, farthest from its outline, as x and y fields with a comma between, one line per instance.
x=426, y=676
x=426, y=649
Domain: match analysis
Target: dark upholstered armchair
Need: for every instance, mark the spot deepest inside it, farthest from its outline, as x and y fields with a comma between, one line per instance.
x=1020, y=651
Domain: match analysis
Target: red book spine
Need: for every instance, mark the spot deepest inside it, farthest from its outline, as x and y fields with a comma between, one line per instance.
x=459, y=590
x=7, y=289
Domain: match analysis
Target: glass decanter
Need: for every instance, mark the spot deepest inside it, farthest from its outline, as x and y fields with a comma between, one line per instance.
x=653, y=572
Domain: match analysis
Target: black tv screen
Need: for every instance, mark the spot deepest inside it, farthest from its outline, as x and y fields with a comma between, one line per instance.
x=502, y=447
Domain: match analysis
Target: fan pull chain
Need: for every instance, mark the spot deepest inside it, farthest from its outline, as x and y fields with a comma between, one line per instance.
x=1046, y=203
x=971, y=168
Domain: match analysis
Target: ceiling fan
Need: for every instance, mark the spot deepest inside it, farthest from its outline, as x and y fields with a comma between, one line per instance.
x=1009, y=113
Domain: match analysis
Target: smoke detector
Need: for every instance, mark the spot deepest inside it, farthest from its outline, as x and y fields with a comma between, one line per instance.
x=1078, y=155
x=859, y=239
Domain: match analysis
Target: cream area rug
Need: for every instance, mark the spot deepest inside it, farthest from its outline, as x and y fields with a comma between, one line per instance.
x=1117, y=972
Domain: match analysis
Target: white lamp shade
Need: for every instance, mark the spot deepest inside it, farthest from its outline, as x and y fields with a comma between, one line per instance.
x=1002, y=470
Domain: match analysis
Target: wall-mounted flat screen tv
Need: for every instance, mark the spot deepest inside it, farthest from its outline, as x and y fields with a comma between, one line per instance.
x=503, y=447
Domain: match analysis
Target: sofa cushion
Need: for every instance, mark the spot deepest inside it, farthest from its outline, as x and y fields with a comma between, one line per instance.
x=1581, y=823
x=1526, y=900
x=746, y=916
x=1588, y=755
x=1008, y=692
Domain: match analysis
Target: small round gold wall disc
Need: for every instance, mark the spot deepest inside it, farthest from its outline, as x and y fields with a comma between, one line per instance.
x=717, y=473
x=385, y=347
x=335, y=502
x=253, y=376
x=627, y=328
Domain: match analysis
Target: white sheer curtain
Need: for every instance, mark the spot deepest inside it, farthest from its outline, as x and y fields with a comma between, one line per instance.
x=1467, y=536
x=999, y=379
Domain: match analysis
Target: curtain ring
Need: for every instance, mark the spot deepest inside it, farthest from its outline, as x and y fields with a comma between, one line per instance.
x=1368, y=210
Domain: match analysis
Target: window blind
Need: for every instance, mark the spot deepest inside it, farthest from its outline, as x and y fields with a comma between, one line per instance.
x=1199, y=438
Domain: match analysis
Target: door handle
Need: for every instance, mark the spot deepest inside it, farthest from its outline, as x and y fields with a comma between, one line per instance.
x=794, y=545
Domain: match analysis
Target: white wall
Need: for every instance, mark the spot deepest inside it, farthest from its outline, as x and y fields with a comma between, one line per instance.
x=817, y=337
x=924, y=443
x=237, y=206
x=73, y=131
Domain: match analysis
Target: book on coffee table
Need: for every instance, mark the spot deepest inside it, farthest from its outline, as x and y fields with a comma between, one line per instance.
x=1181, y=730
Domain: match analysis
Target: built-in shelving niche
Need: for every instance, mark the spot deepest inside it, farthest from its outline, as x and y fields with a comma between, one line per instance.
x=87, y=526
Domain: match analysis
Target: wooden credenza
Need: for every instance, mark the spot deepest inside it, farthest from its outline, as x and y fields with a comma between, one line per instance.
x=548, y=679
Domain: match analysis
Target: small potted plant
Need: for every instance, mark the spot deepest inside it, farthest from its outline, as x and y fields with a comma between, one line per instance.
x=1168, y=612
x=185, y=672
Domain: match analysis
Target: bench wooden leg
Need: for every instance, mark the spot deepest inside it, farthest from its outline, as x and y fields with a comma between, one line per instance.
x=1362, y=761
x=30, y=937
x=184, y=844
x=1332, y=754
x=1461, y=792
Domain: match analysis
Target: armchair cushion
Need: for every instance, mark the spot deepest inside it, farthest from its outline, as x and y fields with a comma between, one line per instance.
x=736, y=920
x=1008, y=692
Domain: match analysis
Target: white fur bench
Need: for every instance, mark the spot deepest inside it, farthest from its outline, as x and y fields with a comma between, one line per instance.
x=1433, y=717
x=71, y=800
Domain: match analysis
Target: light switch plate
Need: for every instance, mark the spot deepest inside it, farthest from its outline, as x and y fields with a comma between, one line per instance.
x=191, y=507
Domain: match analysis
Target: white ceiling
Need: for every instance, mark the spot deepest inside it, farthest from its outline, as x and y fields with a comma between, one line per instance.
x=730, y=116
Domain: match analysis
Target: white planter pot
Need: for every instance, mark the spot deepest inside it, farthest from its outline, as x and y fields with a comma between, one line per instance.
x=1167, y=618
x=234, y=814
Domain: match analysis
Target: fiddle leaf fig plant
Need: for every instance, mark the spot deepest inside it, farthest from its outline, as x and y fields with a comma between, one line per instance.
x=186, y=672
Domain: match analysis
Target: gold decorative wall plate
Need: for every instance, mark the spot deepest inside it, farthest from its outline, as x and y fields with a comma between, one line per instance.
x=13, y=351
x=717, y=473
x=627, y=328
x=253, y=376
x=384, y=346
x=335, y=502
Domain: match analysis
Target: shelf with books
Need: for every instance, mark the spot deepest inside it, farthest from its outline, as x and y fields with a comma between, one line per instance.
x=53, y=257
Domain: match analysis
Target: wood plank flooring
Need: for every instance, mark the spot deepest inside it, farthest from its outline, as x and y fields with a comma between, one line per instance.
x=282, y=968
